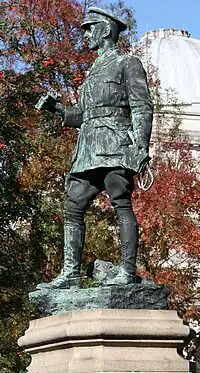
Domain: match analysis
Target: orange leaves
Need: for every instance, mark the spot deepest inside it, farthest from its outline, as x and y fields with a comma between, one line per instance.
x=34, y=174
x=51, y=158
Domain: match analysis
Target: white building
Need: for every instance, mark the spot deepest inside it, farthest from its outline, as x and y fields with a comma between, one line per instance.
x=177, y=58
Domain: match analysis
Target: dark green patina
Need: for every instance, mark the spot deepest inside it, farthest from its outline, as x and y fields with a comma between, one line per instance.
x=115, y=111
x=114, y=114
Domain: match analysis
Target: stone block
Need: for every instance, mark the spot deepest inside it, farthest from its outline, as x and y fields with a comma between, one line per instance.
x=106, y=340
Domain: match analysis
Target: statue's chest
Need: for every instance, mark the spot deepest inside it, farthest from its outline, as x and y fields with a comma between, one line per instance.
x=105, y=71
x=103, y=82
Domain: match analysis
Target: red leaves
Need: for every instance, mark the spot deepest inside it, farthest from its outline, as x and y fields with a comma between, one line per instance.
x=49, y=63
x=2, y=145
x=170, y=238
x=64, y=129
x=2, y=76
x=153, y=82
x=56, y=218
x=77, y=79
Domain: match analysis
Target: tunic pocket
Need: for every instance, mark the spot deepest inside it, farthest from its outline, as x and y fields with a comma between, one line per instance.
x=104, y=90
x=113, y=89
x=111, y=140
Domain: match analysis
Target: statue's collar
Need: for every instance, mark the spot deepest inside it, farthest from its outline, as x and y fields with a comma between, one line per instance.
x=103, y=59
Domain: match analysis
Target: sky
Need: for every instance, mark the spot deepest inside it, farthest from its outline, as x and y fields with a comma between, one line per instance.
x=179, y=14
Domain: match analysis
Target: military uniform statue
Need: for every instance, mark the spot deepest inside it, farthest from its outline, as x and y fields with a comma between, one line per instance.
x=114, y=114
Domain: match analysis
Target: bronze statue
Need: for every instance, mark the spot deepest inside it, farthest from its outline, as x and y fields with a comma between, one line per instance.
x=114, y=114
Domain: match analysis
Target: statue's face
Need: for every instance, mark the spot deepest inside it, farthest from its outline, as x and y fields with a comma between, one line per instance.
x=94, y=35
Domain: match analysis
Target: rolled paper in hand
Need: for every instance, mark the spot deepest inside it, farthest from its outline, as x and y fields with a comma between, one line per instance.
x=47, y=102
x=40, y=104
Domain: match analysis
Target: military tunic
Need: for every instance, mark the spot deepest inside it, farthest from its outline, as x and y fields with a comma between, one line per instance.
x=114, y=113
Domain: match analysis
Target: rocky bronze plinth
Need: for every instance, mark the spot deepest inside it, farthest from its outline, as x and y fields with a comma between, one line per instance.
x=143, y=295
x=106, y=340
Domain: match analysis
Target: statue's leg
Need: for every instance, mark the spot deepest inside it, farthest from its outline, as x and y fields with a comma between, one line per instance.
x=80, y=191
x=119, y=185
x=74, y=236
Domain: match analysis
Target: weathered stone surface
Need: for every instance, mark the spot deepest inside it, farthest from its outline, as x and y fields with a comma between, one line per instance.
x=144, y=295
x=103, y=270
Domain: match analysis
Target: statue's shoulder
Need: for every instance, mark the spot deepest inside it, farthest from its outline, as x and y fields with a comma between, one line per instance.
x=130, y=59
x=125, y=61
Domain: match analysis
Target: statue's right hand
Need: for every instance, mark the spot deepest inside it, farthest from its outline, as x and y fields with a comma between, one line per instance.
x=47, y=102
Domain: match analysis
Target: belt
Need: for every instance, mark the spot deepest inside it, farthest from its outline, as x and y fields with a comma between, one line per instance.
x=108, y=111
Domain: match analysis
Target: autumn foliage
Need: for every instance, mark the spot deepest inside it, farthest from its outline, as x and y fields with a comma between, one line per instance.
x=41, y=48
x=170, y=239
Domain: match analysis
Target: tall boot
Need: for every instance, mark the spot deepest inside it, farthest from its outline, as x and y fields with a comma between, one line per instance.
x=129, y=244
x=74, y=236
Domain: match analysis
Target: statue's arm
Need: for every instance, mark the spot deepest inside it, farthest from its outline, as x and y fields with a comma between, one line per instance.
x=140, y=102
x=72, y=116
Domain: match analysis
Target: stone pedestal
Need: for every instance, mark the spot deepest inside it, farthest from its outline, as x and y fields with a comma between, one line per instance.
x=106, y=340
